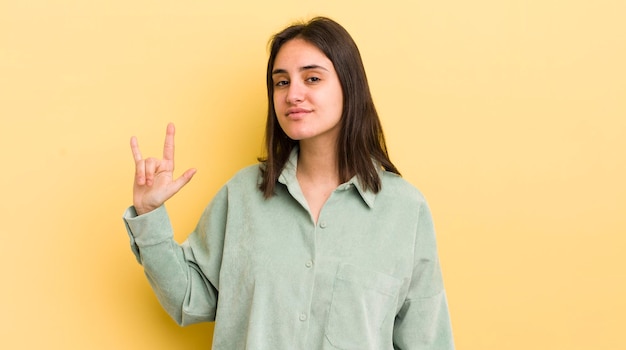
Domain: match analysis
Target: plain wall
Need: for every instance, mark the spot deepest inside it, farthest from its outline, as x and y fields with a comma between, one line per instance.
x=510, y=116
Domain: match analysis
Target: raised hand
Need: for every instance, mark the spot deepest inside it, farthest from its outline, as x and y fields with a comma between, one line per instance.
x=154, y=178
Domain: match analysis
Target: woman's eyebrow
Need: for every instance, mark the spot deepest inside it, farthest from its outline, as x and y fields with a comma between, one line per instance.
x=303, y=68
x=312, y=66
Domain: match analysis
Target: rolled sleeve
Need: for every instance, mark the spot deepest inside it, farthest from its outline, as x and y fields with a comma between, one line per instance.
x=148, y=229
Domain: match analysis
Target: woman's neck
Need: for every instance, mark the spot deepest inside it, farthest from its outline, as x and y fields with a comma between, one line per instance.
x=318, y=175
x=318, y=165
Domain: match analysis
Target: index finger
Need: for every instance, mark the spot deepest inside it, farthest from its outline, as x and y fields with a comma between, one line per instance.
x=168, y=147
x=134, y=147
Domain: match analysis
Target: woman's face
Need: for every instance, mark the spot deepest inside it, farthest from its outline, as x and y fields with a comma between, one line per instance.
x=308, y=100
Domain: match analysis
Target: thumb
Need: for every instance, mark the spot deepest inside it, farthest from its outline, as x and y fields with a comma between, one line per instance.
x=183, y=179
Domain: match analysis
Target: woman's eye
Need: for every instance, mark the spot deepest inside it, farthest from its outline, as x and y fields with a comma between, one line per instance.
x=281, y=83
x=313, y=79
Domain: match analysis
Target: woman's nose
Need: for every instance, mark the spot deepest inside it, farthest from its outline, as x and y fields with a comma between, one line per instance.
x=295, y=94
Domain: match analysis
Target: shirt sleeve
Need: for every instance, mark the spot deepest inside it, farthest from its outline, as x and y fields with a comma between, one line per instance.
x=183, y=276
x=423, y=322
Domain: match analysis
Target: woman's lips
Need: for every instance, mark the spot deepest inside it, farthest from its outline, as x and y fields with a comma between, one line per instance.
x=297, y=112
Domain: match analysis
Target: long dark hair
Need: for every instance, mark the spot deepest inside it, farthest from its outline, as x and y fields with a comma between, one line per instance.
x=361, y=143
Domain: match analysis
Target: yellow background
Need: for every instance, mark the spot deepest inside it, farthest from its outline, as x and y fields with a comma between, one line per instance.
x=509, y=115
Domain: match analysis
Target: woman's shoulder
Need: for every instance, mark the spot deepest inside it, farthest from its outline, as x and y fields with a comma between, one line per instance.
x=395, y=186
x=245, y=176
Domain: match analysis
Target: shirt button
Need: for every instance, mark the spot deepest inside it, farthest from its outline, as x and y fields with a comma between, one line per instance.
x=323, y=224
x=309, y=264
x=303, y=317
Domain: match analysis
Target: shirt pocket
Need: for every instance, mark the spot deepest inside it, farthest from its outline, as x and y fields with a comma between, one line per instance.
x=362, y=309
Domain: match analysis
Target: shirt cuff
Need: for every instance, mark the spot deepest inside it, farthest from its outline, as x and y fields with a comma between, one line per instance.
x=148, y=229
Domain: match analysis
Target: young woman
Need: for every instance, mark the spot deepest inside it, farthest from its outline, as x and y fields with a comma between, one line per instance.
x=320, y=246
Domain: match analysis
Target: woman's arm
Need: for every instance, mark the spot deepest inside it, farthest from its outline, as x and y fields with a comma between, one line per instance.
x=423, y=322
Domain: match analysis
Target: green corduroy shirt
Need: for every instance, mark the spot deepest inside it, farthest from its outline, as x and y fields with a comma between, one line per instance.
x=365, y=276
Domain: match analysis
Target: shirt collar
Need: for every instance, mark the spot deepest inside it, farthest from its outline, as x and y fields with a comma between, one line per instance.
x=288, y=178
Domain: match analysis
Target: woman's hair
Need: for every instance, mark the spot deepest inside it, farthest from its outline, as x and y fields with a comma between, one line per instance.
x=361, y=144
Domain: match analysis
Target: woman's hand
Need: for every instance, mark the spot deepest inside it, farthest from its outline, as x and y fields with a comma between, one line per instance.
x=154, y=178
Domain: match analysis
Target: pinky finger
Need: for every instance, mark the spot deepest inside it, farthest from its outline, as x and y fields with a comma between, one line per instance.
x=134, y=147
x=140, y=172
